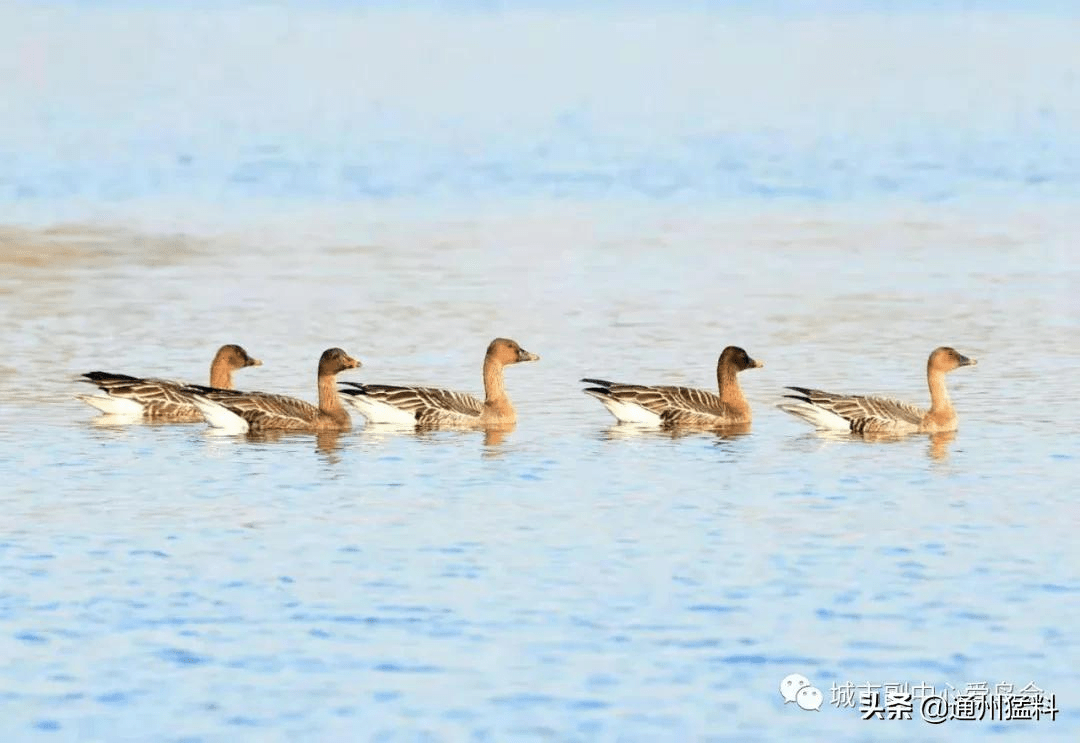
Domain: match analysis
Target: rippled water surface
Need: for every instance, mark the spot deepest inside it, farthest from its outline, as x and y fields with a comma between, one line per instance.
x=571, y=579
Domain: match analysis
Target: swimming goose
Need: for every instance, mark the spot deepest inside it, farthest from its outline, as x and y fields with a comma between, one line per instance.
x=239, y=412
x=861, y=414
x=160, y=398
x=681, y=406
x=432, y=407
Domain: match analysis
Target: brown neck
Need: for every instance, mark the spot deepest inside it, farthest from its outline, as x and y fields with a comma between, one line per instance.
x=730, y=391
x=496, y=403
x=330, y=401
x=221, y=374
x=940, y=404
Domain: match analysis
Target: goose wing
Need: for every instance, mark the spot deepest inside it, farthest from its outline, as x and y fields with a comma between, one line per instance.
x=864, y=413
x=159, y=398
x=428, y=405
x=674, y=405
x=260, y=409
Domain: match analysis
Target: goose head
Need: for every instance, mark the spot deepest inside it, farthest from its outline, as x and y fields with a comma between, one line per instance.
x=334, y=360
x=506, y=351
x=235, y=357
x=736, y=358
x=945, y=359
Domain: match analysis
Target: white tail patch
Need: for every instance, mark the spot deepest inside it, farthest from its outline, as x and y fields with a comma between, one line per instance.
x=118, y=406
x=380, y=412
x=219, y=416
x=819, y=418
x=627, y=412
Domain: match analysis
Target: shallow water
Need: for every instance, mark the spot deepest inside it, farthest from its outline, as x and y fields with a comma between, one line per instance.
x=573, y=579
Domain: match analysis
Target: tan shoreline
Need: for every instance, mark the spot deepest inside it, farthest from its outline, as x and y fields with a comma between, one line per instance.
x=79, y=245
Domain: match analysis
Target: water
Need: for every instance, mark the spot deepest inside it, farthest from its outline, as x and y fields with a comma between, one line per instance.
x=623, y=204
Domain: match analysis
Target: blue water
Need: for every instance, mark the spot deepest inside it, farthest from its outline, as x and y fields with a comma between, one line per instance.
x=625, y=191
x=454, y=103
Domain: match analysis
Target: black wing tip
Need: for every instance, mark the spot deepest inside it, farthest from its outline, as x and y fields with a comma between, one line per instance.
x=360, y=388
x=598, y=382
x=100, y=376
x=599, y=391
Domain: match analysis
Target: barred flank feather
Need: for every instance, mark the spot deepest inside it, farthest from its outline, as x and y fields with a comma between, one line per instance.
x=261, y=410
x=426, y=406
x=863, y=414
x=669, y=405
x=152, y=398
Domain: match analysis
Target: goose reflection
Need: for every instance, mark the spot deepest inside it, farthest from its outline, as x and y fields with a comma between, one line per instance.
x=630, y=431
x=939, y=444
x=116, y=421
x=494, y=435
x=938, y=448
x=327, y=443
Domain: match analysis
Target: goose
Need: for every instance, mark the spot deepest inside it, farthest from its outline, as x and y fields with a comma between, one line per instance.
x=657, y=405
x=160, y=398
x=240, y=412
x=431, y=407
x=864, y=414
